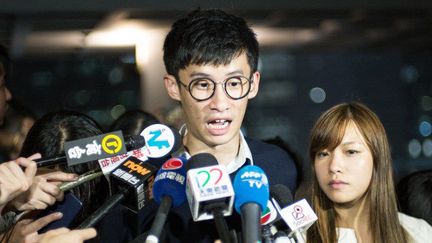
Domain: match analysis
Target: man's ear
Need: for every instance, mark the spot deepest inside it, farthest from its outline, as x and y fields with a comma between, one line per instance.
x=172, y=87
x=255, y=85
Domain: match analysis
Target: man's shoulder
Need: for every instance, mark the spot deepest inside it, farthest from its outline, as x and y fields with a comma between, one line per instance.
x=278, y=165
x=260, y=148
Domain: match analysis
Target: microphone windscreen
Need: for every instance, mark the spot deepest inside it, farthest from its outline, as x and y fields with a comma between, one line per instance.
x=251, y=186
x=281, y=194
x=171, y=181
x=134, y=142
x=201, y=160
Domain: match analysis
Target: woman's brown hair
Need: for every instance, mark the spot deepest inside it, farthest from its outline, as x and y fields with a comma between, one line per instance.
x=327, y=133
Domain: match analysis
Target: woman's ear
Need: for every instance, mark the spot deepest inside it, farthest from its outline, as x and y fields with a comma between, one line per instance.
x=255, y=85
x=172, y=87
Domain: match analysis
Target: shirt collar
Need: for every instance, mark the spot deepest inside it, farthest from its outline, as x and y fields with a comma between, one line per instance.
x=242, y=157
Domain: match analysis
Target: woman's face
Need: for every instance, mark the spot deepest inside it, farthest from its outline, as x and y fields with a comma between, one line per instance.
x=344, y=174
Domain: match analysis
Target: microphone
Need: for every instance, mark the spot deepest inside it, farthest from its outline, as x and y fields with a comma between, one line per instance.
x=131, y=183
x=160, y=142
x=155, y=141
x=92, y=148
x=299, y=216
x=252, y=193
x=83, y=178
x=209, y=192
x=168, y=191
x=281, y=237
x=270, y=218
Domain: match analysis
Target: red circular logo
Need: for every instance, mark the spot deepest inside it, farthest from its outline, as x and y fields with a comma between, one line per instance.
x=172, y=164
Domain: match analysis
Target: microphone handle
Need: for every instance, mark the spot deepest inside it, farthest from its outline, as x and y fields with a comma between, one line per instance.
x=49, y=161
x=267, y=235
x=250, y=217
x=160, y=219
x=95, y=217
x=221, y=226
x=88, y=176
x=299, y=237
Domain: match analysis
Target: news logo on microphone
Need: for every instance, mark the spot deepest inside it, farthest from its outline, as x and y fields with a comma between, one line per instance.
x=94, y=148
x=136, y=178
x=170, y=180
x=269, y=215
x=159, y=139
x=207, y=184
x=299, y=216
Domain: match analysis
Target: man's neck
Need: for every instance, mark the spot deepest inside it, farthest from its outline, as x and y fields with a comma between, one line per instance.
x=224, y=153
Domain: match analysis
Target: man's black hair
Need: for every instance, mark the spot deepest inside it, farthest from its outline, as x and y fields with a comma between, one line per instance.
x=209, y=37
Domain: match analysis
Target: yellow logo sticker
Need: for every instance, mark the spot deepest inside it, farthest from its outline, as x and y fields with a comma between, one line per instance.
x=111, y=144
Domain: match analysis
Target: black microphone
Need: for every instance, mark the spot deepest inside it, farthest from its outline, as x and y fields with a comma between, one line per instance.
x=156, y=141
x=160, y=142
x=252, y=193
x=168, y=191
x=298, y=216
x=210, y=192
x=283, y=197
x=131, y=142
x=131, y=182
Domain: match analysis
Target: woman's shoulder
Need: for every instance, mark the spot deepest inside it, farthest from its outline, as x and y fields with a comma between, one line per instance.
x=418, y=229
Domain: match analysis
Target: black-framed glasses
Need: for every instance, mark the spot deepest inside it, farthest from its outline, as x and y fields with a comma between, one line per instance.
x=201, y=89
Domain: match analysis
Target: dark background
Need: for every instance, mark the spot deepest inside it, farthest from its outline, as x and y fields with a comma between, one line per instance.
x=375, y=52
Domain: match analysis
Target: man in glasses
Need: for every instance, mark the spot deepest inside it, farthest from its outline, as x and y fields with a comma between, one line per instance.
x=211, y=58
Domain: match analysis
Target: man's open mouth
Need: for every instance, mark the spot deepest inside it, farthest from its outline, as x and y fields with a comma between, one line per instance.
x=218, y=124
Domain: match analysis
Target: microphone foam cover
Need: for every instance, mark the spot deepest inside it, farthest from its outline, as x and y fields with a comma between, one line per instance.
x=171, y=181
x=251, y=186
x=201, y=160
x=134, y=142
x=281, y=194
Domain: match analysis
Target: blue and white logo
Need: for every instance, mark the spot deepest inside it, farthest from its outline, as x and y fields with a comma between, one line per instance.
x=254, y=178
x=159, y=140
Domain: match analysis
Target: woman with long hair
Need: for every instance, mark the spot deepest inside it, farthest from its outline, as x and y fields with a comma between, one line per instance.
x=353, y=192
x=48, y=136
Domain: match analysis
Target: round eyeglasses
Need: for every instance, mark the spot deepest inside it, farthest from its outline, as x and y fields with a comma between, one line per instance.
x=202, y=89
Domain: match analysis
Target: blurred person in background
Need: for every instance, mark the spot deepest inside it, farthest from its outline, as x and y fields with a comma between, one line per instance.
x=133, y=122
x=353, y=192
x=174, y=117
x=47, y=137
x=19, y=192
x=414, y=193
x=18, y=121
x=5, y=94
